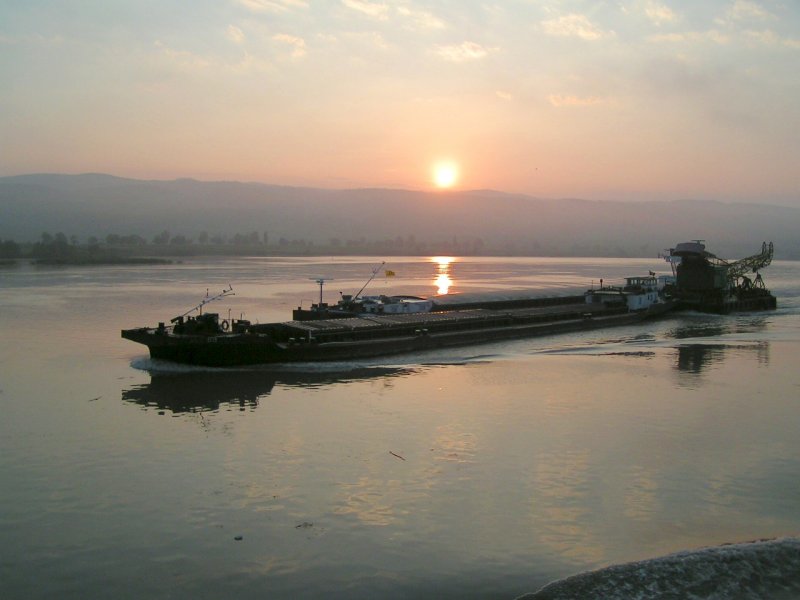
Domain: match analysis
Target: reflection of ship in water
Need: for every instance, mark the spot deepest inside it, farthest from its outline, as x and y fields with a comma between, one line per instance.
x=699, y=327
x=700, y=330
x=694, y=358
x=713, y=343
x=203, y=391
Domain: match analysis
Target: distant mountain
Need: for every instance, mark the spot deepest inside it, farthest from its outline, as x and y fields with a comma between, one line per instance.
x=97, y=204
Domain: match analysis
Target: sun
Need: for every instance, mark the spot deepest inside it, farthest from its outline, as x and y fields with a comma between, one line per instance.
x=445, y=174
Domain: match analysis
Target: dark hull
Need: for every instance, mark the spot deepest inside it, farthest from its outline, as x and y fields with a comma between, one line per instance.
x=252, y=348
x=723, y=305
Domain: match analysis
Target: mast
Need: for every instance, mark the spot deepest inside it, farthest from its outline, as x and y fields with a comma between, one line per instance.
x=374, y=272
x=223, y=294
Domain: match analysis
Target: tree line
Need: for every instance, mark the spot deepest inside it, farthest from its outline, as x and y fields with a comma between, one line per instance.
x=60, y=246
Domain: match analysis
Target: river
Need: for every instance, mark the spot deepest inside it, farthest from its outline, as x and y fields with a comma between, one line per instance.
x=478, y=472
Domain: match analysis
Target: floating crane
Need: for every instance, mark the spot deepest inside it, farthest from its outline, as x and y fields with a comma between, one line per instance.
x=707, y=282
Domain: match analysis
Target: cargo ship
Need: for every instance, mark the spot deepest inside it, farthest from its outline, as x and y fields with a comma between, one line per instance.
x=372, y=326
x=205, y=339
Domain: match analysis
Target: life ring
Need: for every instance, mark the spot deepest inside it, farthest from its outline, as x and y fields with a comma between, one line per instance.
x=225, y=325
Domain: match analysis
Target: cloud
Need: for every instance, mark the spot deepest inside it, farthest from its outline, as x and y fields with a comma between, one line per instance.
x=421, y=18
x=37, y=39
x=184, y=59
x=686, y=76
x=249, y=64
x=659, y=13
x=369, y=38
x=297, y=44
x=193, y=63
x=274, y=6
x=574, y=25
x=463, y=52
x=559, y=100
x=745, y=10
x=503, y=95
x=712, y=35
x=235, y=34
x=374, y=10
x=767, y=37
x=382, y=12
x=751, y=37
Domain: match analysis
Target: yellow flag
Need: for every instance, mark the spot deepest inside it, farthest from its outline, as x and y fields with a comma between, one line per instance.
x=389, y=273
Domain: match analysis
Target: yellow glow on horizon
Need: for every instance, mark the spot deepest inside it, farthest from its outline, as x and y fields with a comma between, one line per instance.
x=445, y=174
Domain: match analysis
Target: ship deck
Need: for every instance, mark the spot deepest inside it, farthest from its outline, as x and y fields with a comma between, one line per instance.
x=400, y=324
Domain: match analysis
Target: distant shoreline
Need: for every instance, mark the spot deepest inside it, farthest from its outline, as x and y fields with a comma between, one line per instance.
x=89, y=262
x=178, y=259
x=84, y=261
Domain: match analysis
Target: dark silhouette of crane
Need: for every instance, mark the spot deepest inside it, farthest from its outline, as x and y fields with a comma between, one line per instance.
x=751, y=264
x=709, y=283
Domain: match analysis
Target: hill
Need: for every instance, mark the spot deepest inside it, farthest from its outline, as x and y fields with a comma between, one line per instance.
x=96, y=204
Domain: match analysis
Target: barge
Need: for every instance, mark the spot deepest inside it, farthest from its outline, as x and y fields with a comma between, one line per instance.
x=207, y=340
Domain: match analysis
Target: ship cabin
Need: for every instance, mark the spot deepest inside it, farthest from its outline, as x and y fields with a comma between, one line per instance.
x=394, y=305
x=638, y=293
x=641, y=292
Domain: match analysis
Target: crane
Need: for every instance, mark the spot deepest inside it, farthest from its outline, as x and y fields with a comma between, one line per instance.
x=751, y=264
x=708, y=283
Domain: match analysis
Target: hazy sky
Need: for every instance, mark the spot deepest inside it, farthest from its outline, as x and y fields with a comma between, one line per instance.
x=626, y=99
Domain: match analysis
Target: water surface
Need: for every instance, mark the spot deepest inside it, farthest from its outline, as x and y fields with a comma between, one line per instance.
x=476, y=472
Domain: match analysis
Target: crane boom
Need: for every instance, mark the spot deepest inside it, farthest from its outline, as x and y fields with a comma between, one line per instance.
x=751, y=264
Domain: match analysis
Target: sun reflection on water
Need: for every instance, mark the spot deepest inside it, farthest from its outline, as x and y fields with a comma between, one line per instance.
x=443, y=281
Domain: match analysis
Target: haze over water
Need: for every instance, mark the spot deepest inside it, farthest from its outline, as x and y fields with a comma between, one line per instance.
x=478, y=472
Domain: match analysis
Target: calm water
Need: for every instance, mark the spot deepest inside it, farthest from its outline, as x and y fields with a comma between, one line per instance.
x=480, y=472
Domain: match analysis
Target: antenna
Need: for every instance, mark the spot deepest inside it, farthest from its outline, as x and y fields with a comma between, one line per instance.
x=321, y=281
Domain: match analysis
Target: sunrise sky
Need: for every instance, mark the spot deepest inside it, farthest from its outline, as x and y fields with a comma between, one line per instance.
x=627, y=99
